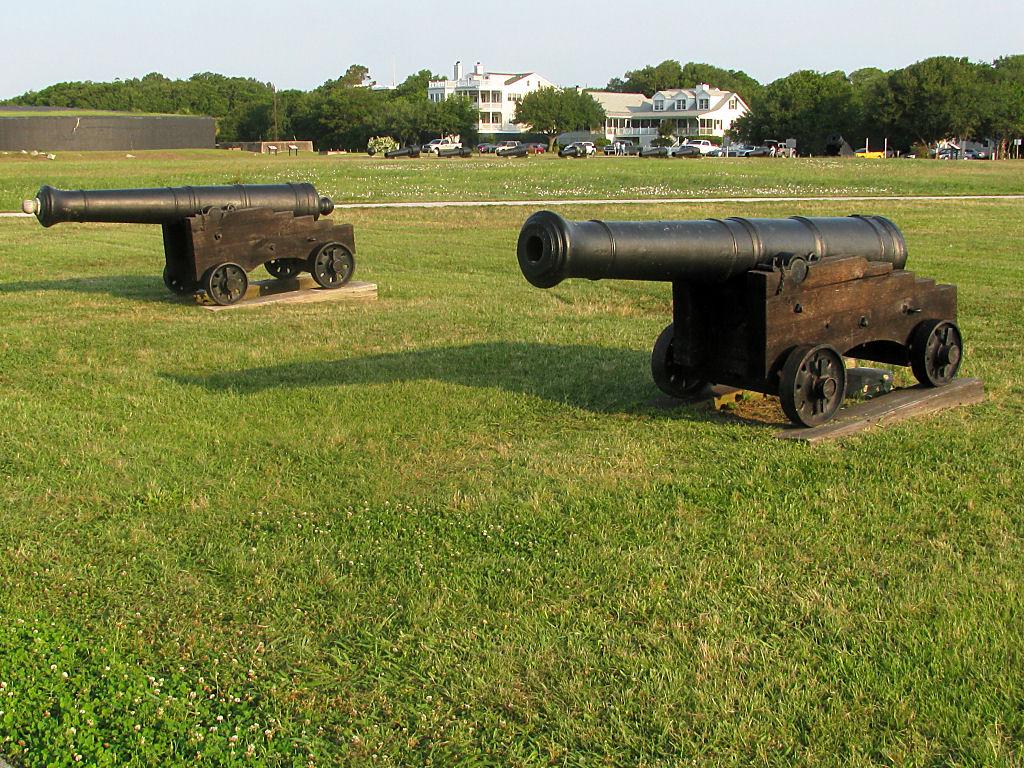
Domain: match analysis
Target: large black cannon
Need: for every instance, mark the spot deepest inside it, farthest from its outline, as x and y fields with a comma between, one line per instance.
x=404, y=152
x=771, y=305
x=213, y=236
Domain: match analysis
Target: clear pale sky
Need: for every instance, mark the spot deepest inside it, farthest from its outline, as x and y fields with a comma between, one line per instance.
x=570, y=43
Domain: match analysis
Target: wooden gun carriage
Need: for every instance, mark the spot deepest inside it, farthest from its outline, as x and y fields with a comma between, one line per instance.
x=769, y=305
x=214, y=236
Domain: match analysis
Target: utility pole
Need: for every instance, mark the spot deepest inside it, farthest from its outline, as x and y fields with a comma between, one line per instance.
x=277, y=136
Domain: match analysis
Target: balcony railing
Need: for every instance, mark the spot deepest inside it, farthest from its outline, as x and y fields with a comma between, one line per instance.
x=632, y=131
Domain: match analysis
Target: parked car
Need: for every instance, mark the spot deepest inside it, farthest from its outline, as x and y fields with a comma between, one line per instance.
x=538, y=149
x=704, y=146
x=757, y=151
x=485, y=147
x=578, y=149
x=625, y=148
x=737, y=150
x=874, y=154
x=976, y=154
x=778, y=148
x=435, y=145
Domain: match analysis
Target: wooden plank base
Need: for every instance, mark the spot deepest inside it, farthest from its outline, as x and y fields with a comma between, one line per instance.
x=299, y=290
x=889, y=408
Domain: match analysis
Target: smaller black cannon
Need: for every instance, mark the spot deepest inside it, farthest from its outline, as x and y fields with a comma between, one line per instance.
x=214, y=236
x=576, y=149
x=655, y=152
x=837, y=146
x=519, y=150
x=455, y=152
x=770, y=305
x=403, y=152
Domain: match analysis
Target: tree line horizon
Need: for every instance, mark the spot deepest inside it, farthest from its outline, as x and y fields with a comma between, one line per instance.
x=941, y=97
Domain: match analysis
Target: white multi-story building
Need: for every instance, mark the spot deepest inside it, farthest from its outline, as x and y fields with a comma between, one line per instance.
x=699, y=111
x=495, y=94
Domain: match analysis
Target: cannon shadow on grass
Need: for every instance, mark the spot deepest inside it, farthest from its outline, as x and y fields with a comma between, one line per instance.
x=120, y=286
x=597, y=379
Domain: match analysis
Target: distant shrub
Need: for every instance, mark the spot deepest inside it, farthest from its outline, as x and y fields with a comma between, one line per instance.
x=380, y=145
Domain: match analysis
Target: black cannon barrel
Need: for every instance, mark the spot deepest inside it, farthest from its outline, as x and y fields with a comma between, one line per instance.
x=552, y=248
x=521, y=150
x=403, y=152
x=164, y=205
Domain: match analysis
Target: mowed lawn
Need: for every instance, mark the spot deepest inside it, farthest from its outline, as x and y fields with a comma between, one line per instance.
x=357, y=178
x=458, y=526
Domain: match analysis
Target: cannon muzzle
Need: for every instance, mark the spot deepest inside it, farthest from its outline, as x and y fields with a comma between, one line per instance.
x=166, y=205
x=707, y=251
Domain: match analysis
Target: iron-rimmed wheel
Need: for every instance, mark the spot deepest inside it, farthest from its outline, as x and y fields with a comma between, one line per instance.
x=332, y=265
x=672, y=378
x=282, y=269
x=225, y=283
x=813, y=384
x=178, y=284
x=936, y=348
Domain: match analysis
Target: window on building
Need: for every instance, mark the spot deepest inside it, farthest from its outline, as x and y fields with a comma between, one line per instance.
x=496, y=118
x=733, y=104
x=659, y=105
x=680, y=104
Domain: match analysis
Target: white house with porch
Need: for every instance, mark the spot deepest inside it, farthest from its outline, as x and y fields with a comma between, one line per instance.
x=699, y=111
x=495, y=94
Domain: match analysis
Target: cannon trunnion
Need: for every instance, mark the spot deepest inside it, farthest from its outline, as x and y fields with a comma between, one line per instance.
x=770, y=305
x=214, y=236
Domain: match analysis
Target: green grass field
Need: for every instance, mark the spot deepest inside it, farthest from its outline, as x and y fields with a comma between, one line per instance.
x=457, y=526
x=360, y=179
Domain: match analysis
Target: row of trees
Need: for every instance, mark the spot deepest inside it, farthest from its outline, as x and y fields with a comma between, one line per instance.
x=919, y=105
x=339, y=113
x=671, y=74
x=934, y=99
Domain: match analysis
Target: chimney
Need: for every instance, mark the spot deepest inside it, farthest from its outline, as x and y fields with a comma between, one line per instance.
x=478, y=69
x=458, y=70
